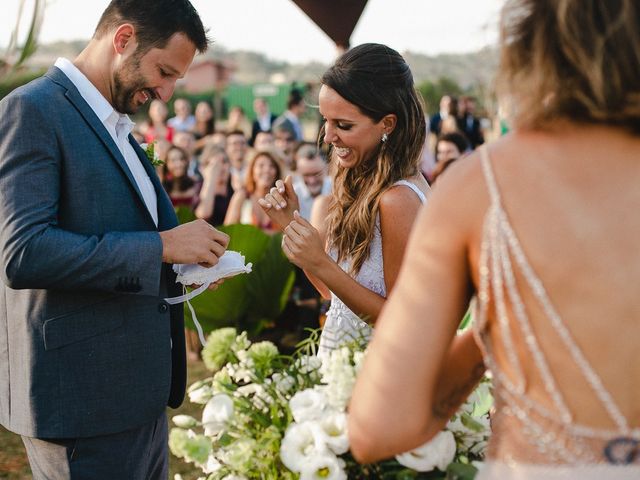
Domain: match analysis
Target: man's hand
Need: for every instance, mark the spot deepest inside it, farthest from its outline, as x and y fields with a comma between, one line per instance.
x=193, y=242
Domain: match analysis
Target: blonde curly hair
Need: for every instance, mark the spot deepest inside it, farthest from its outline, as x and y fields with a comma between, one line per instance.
x=577, y=60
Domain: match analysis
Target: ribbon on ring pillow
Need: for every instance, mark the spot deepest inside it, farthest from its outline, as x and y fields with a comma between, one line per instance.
x=229, y=264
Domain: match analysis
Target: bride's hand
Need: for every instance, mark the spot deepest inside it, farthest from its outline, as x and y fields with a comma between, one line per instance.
x=280, y=203
x=302, y=245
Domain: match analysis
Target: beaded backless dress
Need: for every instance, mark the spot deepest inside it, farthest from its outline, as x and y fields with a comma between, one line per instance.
x=543, y=442
x=342, y=325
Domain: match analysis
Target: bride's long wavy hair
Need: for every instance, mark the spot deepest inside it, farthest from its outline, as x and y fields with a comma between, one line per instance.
x=377, y=80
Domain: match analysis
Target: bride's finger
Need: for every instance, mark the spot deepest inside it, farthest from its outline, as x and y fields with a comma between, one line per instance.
x=280, y=186
x=298, y=228
x=264, y=204
x=278, y=198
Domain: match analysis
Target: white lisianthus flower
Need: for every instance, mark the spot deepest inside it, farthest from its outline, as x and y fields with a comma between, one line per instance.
x=217, y=412
x=177, y=476
x=437, y=453
x=331, y=430
x=299, y=445
x=308, y=404
x=234, y=477
x=323, y=467
x=184, y=421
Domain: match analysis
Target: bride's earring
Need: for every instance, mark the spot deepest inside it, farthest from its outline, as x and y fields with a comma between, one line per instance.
x=385, y=137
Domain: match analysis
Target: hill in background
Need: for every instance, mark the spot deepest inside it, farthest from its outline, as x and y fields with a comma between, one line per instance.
x=467, y=70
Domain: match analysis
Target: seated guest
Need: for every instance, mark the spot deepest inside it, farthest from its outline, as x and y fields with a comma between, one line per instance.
x=311, y=179
x=216, y=191
x=183, y=121
x=182, y=189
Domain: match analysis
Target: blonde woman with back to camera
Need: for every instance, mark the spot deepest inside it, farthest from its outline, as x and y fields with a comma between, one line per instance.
x=541, y=230
x=375, y=127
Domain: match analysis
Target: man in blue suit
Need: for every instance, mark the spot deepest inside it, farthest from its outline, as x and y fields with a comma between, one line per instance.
x=90, y=353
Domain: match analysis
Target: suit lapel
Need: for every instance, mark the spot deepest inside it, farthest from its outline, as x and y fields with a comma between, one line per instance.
x=96, y=125
x=166, y=213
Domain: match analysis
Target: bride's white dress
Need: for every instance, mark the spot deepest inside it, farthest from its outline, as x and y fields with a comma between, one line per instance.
x=531, y=440
x=342, y=325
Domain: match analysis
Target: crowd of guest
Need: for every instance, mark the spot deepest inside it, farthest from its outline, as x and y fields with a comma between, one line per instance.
x=455, y=131
x=217, y=169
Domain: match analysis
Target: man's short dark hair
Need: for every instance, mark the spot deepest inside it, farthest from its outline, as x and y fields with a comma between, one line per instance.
x=295, y=98
x=155, y=22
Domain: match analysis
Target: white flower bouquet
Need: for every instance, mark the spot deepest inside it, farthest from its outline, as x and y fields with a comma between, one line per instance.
x=268, y=416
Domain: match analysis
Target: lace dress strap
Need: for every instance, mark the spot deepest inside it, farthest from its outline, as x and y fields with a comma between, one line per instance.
x=413, y=187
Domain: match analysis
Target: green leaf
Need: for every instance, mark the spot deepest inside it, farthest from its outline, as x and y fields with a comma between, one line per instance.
x=185, y=215
x=270, y=282
x=469, y=422
x=466, y=320
x=229, y=304
x=460, y=471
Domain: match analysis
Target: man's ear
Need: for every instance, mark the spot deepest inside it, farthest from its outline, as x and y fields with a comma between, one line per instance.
x=124, y=38
x=389, y=122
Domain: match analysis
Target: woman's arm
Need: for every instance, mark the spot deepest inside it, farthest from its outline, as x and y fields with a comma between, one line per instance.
x=398, y=210
x=207, y=201
x=235, y=207
x=319, y=212
x=415, y=374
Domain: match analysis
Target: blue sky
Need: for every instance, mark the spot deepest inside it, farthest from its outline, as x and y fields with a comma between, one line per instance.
x=280, y=29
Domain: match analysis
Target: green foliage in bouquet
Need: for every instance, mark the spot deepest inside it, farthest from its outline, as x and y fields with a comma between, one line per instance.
x=268, y=416
x=249, y=301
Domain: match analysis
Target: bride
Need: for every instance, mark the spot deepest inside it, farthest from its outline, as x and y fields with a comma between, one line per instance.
x=542, y=228
x=375, y=127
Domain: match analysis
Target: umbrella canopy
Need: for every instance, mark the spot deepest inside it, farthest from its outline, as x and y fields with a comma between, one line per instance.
x=336, y=18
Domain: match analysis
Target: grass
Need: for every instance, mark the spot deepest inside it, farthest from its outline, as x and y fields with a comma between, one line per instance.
x=15, y=466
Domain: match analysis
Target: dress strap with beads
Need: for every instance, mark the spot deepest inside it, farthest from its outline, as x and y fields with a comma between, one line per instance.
x=553, y=432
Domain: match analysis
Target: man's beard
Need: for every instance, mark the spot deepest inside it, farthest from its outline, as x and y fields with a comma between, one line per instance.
x=126, y=84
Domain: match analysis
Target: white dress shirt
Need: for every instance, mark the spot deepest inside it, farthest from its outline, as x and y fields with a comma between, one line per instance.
x=119, y=126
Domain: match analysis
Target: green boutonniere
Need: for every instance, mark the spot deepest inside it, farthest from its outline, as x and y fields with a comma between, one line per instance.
x=150, y=151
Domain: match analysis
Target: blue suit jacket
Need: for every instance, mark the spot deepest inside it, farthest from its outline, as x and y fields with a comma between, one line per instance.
x=87, y=345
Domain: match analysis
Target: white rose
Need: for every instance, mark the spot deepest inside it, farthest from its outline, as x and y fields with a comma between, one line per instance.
x=323, y=467
x=299, y=445
x=331, y=430
x=184, y=421
x=307, y=404
x=439, y=452
x=217, y=412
